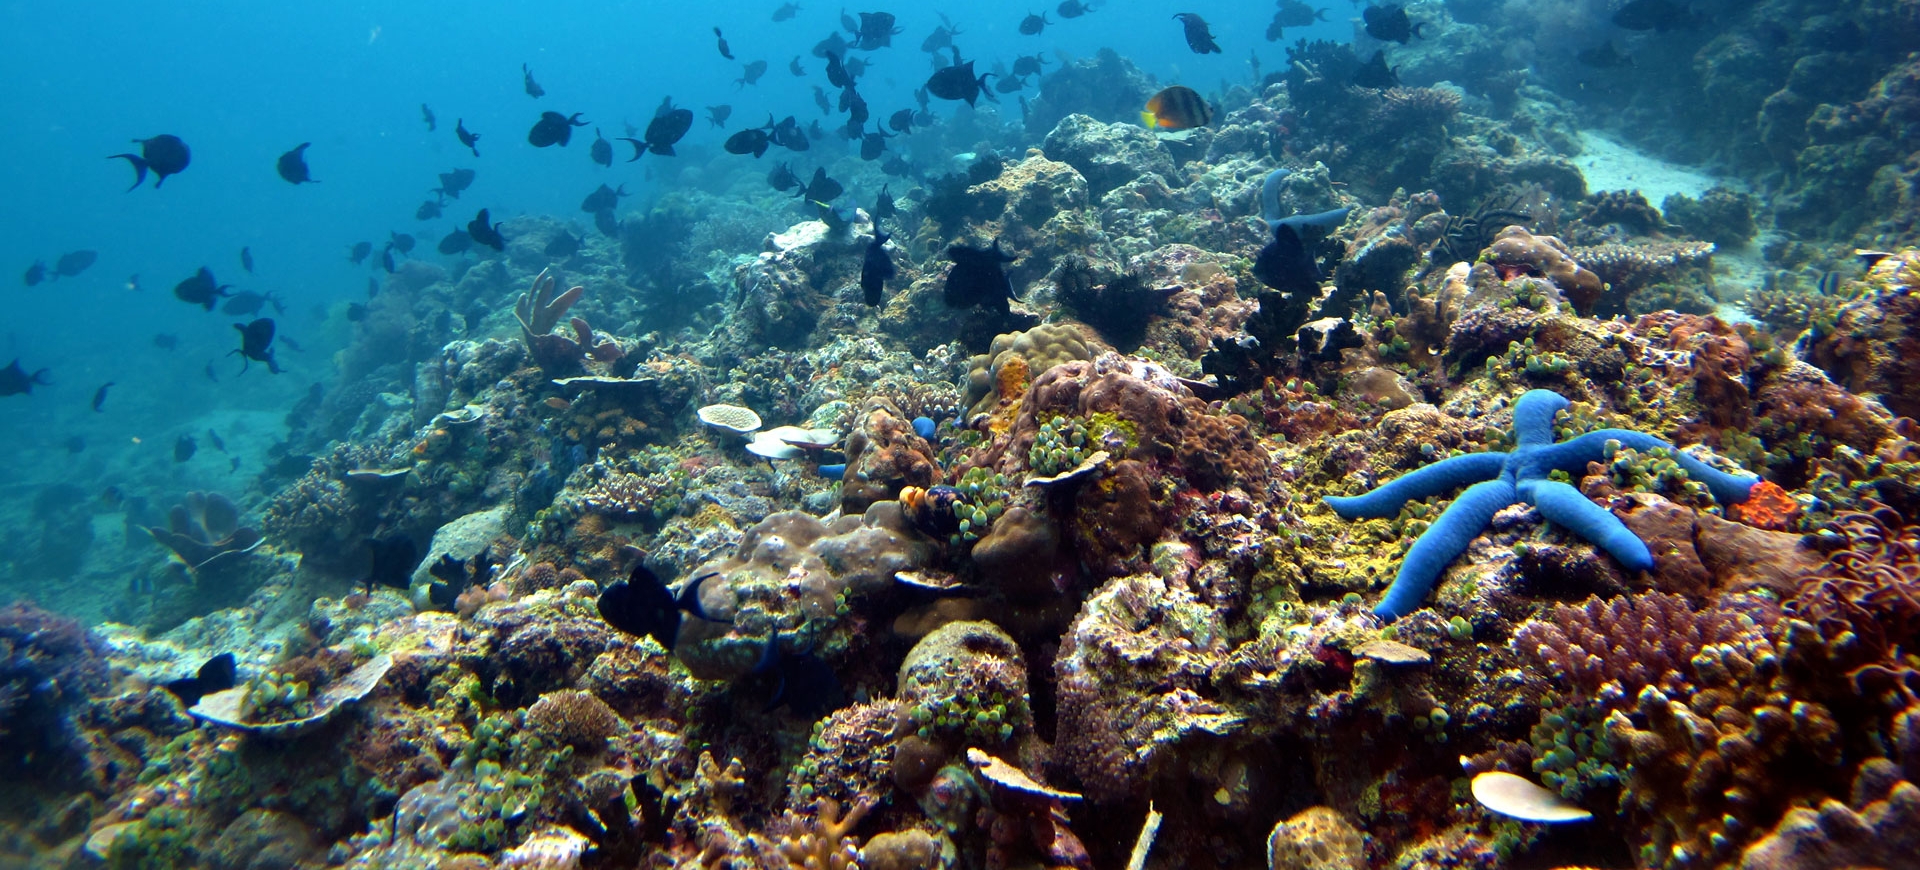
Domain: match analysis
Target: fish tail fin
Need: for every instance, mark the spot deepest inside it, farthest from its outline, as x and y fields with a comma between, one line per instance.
x=139, y=167
x=40, y=377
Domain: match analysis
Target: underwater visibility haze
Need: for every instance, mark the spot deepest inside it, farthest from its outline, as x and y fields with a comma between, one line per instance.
x=1095, y=434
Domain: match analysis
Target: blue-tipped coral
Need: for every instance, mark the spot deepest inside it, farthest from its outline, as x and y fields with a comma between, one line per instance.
x=1495, y=480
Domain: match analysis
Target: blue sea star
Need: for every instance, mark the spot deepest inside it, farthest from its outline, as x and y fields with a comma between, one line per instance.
x=1499, y=479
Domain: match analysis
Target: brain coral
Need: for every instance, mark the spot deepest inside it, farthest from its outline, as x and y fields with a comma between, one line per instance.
x=1037, y=350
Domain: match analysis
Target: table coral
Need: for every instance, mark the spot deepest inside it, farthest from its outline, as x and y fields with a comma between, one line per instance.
x=1495, y=480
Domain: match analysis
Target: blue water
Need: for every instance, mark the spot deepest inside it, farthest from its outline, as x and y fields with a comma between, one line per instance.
x=243, y=82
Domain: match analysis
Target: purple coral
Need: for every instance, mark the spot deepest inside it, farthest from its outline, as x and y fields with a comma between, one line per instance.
x=1633, y=642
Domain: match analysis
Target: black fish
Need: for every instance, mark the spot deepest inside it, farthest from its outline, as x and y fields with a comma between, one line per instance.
x=216, y=675
x=750, y=141
x=1656, y=15
x=1390, y=23
x=724, y=50
x=486, y=233
x=901, y=121
x=357, y=312
x=393, y=560
x=855, y=107
x=373, y=286
x=1603, y=56
x=786, y=11
x=717, y=115
x=1295, y=13
x=750, y=74
x=14, y=380
x=386, y=258
x=293, y=165
x=564, y=245
x=977, y=277
x=454, y=242
x=73, y=263
x=1028, y=65
x=833, y=44
x=1376, y=74
x=782, y=179
x=873, y=145
x=401, y=242
x=883, y=208
x=246, y=260
x=793, y=66
x=185, y=446
x=1199, y=36
x=837, y=72
x=1285, y=263
x=876, y=31
x=165, y=154
x=666, y=129
x=358, y=253
x=601, y=151
x=1033, y=24
x=1072, y=9
x=247, y=303
x=957, y=82
x=533, y=88
x=821, y=190
x=166, y=341
x=201, y=289
x=820, y=100
x=804, y=683
x=606, y=223
x=603, y=198
x=256, y=344
x=426, y=115
x=100, y=396
x=554, y=128
x=642, y=606
x=36, y=273
x=452, y=183
x=74, y=444
x=896, y=166
x=849, y=23
x=208, y=371
x=218, y=444
x=454, y=576
x=1010, y=84
x=427, y=211
x=876, y=269
x=469, y=139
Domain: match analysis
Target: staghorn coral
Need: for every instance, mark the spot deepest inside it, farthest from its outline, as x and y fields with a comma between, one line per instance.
x=825, y=841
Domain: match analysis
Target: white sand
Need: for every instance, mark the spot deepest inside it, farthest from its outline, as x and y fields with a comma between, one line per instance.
x=1611, y=165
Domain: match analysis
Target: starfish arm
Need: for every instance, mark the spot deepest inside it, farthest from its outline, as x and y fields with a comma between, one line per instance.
x=1573, y=455
x=1442, y=543
x=1436, y=479
x=1563, y=505
x=1533, y=417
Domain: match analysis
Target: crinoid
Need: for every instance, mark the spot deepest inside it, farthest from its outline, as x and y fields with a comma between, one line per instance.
x=1468, y=234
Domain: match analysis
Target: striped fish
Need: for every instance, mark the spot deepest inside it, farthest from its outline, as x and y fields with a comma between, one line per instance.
x=1177, y=108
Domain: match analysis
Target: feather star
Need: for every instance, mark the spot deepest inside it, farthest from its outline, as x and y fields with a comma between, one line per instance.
x=1495, y=480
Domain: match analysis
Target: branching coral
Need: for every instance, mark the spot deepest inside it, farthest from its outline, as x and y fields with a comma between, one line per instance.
x=1613, y=649
x=825, y=842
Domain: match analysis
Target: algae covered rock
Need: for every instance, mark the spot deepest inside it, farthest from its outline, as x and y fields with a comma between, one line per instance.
x=1108, y=155
x=790, y=574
